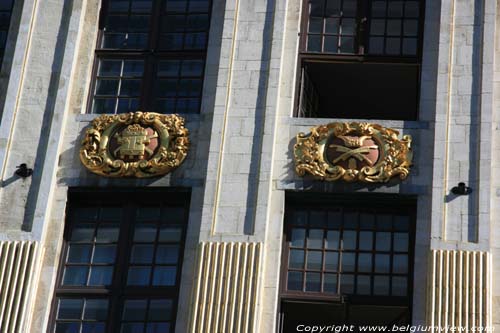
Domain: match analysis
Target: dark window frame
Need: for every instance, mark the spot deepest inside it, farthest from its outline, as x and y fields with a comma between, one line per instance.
x=358, y=57
x=118, y=291
x=4, y=28
x=151, y=56
x=383, y=203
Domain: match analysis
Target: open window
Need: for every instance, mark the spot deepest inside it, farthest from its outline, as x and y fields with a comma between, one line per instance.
x=360, y=59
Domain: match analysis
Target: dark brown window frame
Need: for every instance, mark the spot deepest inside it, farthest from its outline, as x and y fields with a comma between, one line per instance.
x=118, y=291
x=151, y=56
x=360, y=57
x=385, y=203
x=6, y=25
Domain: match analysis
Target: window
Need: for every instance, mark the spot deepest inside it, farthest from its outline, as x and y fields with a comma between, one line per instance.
x=150, y=56
x=121, y=263
x=5, y=14
x=348, y=258
x=360, y=58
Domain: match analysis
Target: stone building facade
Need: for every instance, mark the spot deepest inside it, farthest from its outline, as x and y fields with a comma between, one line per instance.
x=240, y=241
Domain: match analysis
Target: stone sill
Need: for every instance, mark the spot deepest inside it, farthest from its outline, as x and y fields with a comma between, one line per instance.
x=88, y=117
x=398, y=124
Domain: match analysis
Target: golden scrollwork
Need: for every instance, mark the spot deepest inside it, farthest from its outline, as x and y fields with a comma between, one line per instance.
x=353, y=151
x=140, y=144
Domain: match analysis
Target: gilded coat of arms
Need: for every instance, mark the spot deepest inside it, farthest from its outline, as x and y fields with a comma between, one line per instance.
x=353, y=152
x=140, y=144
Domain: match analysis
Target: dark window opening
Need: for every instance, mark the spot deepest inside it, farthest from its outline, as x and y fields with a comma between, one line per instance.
x=314, y=313
x=347, y=260
x=359, y=90
x=121, y=262
x=360, y=59
x=150, y=56
x=5, y=15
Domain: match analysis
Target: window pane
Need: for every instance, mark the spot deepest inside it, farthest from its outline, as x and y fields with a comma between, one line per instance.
x=346, y=284
x=365, y=262
x=176, y=5
x=314, y=260
x=366, y=240
x=349, y=8
x=83, y=233
x=349, y=240
x=145, y=233
x=75, y=275
x=347, y=45
x=316, y=24
x=400, y=264
x=104, y=254
x=381, y=285
x=167, y=254
x=315, y=239
x=296, y=259
x=70, y=309
x=158, y=328
x=79, y=254
x=317, y=7
x=331, y=44
x=377, y=27
x=401, y=242
x=394, y=27
x=96, y=309
x=170, y=234
x=383, y=241
x=110, y=68
x=412, y=9
x=332, y=25
x=142, y=254
x=117, y=78
x=314, y=43
x=364, y=285
x=297, y=238
x=332, y=7
x=294, y=281
x=348, y=262
x=376, y=45
x=192, y=68
x=332, y=240
x=366, y=221
x=382, y=263
x=379, y=8
x=331, y=261
x=138, y=276
x=313, y=282
x=132, y=328
x=348, y=27
x=134, y=310
x=395, y=9
x=68, y=327
x=101, y=276
x=164, y=276
x=160, y=309
x=93, y=327
x=330, y=283
x=399, y=286
x=107, y=233
x=410, y=46
x=392, y=45
x=104, y=105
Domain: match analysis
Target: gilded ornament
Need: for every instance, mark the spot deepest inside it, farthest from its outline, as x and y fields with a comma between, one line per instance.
x=140, y=144
x=352, y=152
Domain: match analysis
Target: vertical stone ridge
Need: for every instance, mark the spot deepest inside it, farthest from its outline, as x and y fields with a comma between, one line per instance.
x=226, y=287
x=460, y=289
